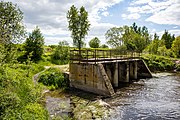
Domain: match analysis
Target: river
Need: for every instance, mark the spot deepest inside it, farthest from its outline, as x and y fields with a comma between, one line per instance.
x=157, y=98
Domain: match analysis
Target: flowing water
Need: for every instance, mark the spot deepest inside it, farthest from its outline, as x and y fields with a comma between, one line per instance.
x=157, y=98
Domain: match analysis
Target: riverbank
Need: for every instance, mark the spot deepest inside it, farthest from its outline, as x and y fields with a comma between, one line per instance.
x=161, y=64
x=76, y=104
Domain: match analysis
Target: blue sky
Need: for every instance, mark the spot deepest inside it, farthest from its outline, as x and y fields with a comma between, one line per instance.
x=50, y=16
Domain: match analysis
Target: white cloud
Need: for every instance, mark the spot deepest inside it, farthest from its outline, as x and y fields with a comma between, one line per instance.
x=170, y=16
x=175, y=32
x=138, y=2
x=153, y=30
x=175, y=27
x=50, y=15
x=105, y=13
x=55, y=40
x=142, y=9
x=161, y=12
x=131, y=16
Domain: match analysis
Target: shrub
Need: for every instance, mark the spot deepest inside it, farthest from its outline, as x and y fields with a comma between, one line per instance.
x=159, y=63
x=53, y=77
x=178, y=67
x=17, y=91
x=34, y=112
x=61, y=54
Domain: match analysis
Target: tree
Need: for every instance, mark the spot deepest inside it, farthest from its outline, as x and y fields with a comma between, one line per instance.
x=162, y=50
x=136, y=38
x=34, y=44
x=61, y=53
x=94, y=43
x=114, y=36
x=156, y=37
x=78, y=25
x=11, y=29
x=104, y=46
x=154, y=45
x=131, y=46
x=168, y=39
x=176, y=46
x=133, y=37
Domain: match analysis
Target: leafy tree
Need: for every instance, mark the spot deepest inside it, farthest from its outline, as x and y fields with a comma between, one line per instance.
x=104, y=46
x=131, y=47
x=94, y=43
x=78, y=25
x=61, y=53
x=11, y=29
x=136, y=38
x=34, y=44
x=156, y=37
x=162, y=50
x=154, y=45
x=176, y=46
x=114, y=36
x=168, y=39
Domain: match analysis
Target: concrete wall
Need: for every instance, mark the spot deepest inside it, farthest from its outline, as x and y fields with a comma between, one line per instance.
x=143, y=71
x=87, y=77
x=101, y=78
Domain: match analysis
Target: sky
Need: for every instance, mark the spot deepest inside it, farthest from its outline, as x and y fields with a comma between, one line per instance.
x=50, y=16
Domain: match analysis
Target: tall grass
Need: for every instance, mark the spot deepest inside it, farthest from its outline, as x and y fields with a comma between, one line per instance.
x=18, y=95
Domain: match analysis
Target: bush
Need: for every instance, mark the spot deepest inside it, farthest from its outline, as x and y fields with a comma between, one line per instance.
x=17, y=91
x=159, y=63
x=61, y=54
x=54, y=78
x=34, y=112
x=178, y=67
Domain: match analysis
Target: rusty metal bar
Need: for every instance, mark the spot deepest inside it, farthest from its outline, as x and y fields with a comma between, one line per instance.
x=88, y=55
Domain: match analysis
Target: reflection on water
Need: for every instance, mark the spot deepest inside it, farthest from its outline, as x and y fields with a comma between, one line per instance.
x=157, y=98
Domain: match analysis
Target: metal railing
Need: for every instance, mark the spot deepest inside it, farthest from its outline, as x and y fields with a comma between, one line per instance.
x=93, y=55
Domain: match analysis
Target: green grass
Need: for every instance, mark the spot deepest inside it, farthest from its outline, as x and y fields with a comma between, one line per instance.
x=159, y=63
x=18, y=95
x=53, y=78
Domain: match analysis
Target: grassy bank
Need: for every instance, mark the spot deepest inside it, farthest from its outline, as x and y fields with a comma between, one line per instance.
x=20, y=98
x=159, y=63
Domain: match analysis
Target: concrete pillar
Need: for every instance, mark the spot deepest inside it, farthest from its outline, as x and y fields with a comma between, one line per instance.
x=127, y=72
x=121, y=71
x=135, y=70
x=131, y=70
x=115, y=80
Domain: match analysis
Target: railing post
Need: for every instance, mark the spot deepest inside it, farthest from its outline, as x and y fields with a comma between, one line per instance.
x=95, y=56
x=87, y=55
x=103, y=54
x=110, y=54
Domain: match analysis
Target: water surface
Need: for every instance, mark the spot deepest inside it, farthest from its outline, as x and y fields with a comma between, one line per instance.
x=157, y=98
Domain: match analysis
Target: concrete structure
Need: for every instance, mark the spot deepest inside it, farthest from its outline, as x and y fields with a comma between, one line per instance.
x=103, y=77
